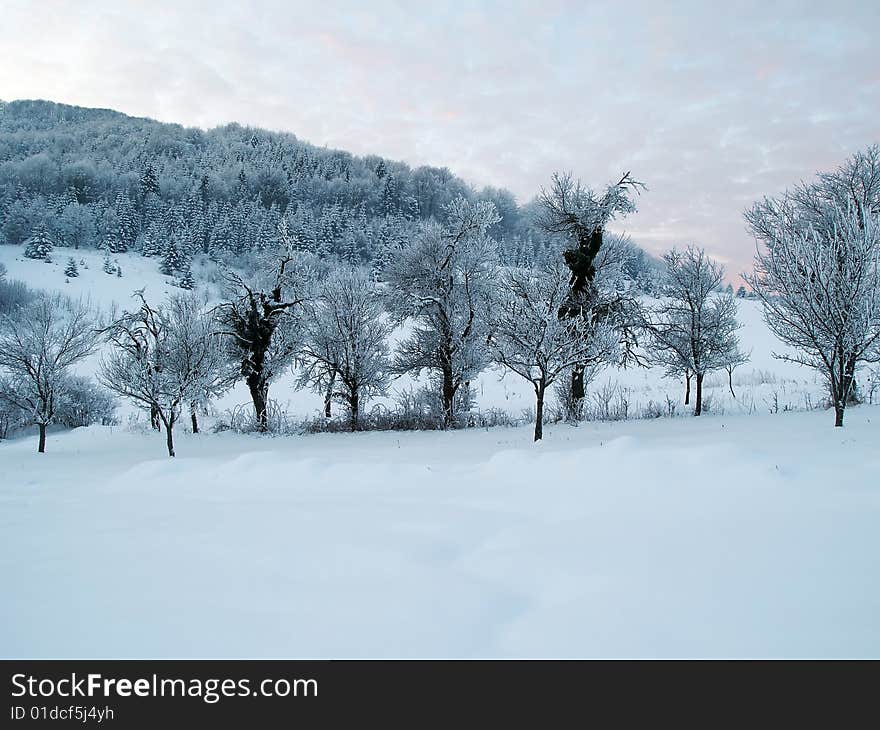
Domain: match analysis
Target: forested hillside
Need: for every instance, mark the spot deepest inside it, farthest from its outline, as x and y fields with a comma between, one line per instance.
x=98, y=178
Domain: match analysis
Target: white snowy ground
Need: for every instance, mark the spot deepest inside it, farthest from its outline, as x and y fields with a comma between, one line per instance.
x=722, y=536
x=742, y=533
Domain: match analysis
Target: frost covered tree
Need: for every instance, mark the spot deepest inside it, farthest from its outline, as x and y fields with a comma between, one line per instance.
x=107, y=265
x=816, y=275
x=262, y=319
x=187, y=280
x=529, y=338
x=71, y=270
x=39, y=246
x=819, y=283
x=162, y=358
x=693, y=329
x=580, y=215
x=39, y=343
x=171, y=259
x=345, y=343
x=443, y=280
x=198, y=352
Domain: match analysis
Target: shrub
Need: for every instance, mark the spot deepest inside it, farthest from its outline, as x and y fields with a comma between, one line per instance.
x=83, y=403
x=14, y=294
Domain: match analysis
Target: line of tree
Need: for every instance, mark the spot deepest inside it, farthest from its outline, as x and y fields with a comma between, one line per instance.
x=466, y=307
x=568, y=315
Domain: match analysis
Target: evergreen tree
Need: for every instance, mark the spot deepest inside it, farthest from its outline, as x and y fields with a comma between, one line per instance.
x=150, y=245
x=171, y=259
x=149, y=183
x=108, y=266
x=186, y=280
x=390, y=196
x=126, y=224
x=350, y=252
x=39, y=245
x=71, y=270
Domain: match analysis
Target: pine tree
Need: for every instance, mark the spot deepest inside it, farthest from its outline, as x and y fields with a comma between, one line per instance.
x=126, y=224
x=186, y=280
x=39, y=246
x=71, y=270
x=390, y=196
x=149, y=183
x=350, y=252
x=108, y=266
x=149, y=245
x=171, y=259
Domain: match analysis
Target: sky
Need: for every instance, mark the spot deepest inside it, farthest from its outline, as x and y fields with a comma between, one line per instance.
x=711, y=104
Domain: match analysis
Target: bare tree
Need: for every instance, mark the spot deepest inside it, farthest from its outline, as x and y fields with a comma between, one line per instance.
x=162, y=358
x=345, y=349
x=819, y=283
x=261, y=319
x=39, y=343
x=530, y=339
x=733, y=360
x=853, y=191
x=693, y=329
x=198, y=351
x=581, y=215
x=443, y=280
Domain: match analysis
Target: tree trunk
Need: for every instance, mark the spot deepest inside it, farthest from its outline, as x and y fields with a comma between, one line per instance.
x=194, y=418
x=355, y=408
x=849, y=384
x=328, y=397
x=730, y=381
x=169, y=436
x=840, y=385
x=687, y=388
x=539, y=413
x=577, y=383
x=154, y=418
x=41, y=449
x=259, y=392
x=699, y=404
x=448, y=398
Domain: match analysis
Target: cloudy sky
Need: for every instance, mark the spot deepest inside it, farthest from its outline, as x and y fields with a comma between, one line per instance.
x=711, y=104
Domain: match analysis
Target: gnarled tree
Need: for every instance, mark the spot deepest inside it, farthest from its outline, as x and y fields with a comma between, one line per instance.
x=261, y=319
x=580, y=215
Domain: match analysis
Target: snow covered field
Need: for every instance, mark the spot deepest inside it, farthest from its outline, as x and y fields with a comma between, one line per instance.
x=724, y=536
x=742, y=533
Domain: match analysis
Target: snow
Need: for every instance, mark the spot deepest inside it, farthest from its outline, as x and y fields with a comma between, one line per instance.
x=622, y=539
x=742, y=533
